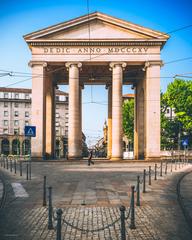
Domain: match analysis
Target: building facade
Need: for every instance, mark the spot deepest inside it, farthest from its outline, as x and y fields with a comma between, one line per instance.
x=15, y=108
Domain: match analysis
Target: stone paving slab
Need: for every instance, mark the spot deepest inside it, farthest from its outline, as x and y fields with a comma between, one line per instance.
x=102, y=191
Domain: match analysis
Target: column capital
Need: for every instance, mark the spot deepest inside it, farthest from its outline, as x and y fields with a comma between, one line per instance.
x=33, y=63
x=153, y=63
x=69, y=64
x=114, y=64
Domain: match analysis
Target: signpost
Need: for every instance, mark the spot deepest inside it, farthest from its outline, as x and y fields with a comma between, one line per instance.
x=30, y=131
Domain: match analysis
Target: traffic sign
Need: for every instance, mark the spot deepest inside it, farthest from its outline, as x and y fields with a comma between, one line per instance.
x=30, y=131
x=185, y=142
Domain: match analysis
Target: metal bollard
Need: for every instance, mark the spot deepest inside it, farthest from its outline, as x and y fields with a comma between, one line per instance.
x=50, y=210
x=3, y=163
x=59, y=226
x=30, y=170
x=138, y=192
x=149, y=175
x=144, y=181
x=123, y=234
x=27, y=171
x=161, y=169
x=44, y=191
x=15, y=166
x=11, y=165
x=7, y=162
x=155, y=171
x=20, y=168
x=171, y=166
x=132, y=224
x=165, y=167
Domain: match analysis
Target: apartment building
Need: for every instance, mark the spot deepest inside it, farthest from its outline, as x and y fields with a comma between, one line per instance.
x=15, y=114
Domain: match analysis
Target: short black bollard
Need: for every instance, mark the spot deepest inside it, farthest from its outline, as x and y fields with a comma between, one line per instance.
x=50, y=210
x=161, y=169
x=175, y=164
x=27, y=171
x=44, y=191
x=59, y=217
x=123, y=234
x=7, y=162
x=144, y=181
x=15, y=166
x=20, y=168
x=149, y=175
x=4, y=162
x=171, y=166
x=166, y=167
x=155, y=171
x=11, y=165
x=132, y=224
x=138, y=192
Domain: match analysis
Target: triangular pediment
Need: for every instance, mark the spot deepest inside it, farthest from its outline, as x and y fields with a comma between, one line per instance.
x=96, y=26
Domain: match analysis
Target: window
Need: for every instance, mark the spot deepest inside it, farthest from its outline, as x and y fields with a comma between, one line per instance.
x=5, y=122
x=16, y=131
x=57, y=132
x=5, y=104
x=5, y=113
x=16, y=123
x=57, y=98
x=5, y=130
x=26, y=96
x=17, y=95
x=5, y=95
x=57, y=115
x=26, y=123
x=26, y=114
x=16, y=105
x=57, y=124
x=16, y=114
x=27, y=105
x=168, y=110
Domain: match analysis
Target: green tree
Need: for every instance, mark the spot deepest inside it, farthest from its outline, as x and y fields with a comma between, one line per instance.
x=179, y=97
x=128, y=119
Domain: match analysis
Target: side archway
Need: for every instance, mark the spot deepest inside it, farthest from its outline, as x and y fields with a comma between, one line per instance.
x=5, y=148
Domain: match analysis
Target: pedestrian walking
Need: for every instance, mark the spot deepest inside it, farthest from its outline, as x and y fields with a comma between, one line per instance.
x=90, y=157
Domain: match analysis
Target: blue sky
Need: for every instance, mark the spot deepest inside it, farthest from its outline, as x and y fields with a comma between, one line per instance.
x=20, y=17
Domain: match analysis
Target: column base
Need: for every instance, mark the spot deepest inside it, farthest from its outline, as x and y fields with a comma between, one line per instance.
x=116, y=158
x=153, y=158
x=74, y=158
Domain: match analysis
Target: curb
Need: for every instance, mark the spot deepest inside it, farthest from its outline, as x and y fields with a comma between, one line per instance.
x=181, y=202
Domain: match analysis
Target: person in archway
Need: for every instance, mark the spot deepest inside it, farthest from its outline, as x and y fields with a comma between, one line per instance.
x=90, y=157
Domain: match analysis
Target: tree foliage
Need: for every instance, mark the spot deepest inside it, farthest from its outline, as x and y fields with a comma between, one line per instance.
x=178, y=97
x=128, y=119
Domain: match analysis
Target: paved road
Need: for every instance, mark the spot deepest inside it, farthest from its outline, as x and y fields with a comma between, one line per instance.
x=90, y=198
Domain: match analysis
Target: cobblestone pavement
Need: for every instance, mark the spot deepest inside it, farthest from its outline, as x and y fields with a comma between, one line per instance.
x=90, y=198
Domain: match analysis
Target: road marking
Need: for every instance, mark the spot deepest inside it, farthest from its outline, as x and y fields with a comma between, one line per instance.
x=19, y=190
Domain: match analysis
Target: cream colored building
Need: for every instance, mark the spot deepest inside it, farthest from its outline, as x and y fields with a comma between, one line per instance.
x=15, y=108
x=97, y=49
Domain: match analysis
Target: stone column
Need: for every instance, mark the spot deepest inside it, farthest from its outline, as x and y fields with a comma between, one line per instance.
x=136, y=155
x=80, y=117
x=74, y=136
x=109, y=132
x=50, y=116
x=117, y=130
x=38, y=108
x=152, y=110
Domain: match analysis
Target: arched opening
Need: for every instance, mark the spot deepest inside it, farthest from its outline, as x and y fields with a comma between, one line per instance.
x=15, y=147
x=5, y=146
x=26, y=147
